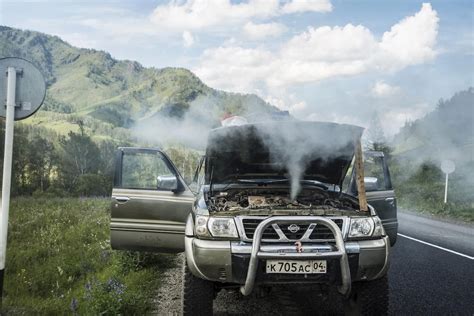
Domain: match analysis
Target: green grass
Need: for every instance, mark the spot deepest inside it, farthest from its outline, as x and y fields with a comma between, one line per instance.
x=423, y=192
x=458, y=211
x=59, y=261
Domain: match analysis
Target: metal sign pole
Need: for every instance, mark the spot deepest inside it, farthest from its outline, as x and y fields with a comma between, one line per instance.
x=7, y=169
x=446, y=189
x=447, y=166
x=24, y=94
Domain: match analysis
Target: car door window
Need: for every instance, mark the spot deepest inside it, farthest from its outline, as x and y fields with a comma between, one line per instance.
x=141, y=170
x=374, y=175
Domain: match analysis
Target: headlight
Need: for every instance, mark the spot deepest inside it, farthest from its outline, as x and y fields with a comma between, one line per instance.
x=200, y=227
x=222, y=227
x=206, y=226
x=366, y=227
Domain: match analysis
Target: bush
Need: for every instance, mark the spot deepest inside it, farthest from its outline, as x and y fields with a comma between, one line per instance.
x=92, y=185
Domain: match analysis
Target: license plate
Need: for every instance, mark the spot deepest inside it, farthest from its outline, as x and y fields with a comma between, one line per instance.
x=296, y=266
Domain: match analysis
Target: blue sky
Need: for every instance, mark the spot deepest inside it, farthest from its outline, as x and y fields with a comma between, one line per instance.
x=342, y=61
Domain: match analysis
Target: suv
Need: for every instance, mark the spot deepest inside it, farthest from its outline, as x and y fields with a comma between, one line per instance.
x=268, y=208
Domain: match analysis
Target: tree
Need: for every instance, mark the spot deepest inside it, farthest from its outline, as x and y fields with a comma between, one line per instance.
x=375, y=137
x=41, y=160
x=79, y=156
x=374, y=134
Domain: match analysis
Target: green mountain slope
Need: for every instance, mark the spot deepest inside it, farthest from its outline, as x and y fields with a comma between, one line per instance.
x=111, y=96
x=445, y=133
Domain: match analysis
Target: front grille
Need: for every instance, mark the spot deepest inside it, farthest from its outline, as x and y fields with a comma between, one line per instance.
x=320, y=232
x=251, y=224
x=323, y=232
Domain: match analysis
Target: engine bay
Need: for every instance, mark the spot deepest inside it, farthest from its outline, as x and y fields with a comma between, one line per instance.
x=255, y=199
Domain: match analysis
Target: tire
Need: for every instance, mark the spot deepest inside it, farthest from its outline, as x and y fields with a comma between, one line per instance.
x=392, y=236
x=368, y=298
x=198, y=294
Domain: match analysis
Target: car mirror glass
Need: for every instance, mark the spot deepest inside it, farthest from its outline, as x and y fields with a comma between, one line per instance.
x=169, y=183
x=371, y=183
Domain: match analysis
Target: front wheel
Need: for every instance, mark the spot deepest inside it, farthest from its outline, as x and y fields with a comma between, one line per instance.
x=368, y=298
x=393, y=237
x=198, y=294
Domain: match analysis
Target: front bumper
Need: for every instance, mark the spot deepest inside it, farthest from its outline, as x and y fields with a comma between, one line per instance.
x=242, y=263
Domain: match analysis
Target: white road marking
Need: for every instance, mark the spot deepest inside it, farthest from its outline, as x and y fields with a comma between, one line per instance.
x=436, y=246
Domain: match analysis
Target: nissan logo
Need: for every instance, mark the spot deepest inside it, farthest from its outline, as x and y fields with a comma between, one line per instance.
x=293, y=228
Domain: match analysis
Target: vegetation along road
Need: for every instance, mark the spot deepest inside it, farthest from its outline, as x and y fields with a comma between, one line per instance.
x=431, y=272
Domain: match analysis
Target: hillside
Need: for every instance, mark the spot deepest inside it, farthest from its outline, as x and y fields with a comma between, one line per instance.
x=112, y=96
x=445, y=133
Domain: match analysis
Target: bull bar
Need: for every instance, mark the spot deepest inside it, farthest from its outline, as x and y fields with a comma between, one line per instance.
x=257, y=253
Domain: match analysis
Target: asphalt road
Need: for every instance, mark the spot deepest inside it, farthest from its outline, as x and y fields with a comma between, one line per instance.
x=426, y=280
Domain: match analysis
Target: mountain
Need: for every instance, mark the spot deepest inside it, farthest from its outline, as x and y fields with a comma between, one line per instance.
x=445, y=133
x=112, y=96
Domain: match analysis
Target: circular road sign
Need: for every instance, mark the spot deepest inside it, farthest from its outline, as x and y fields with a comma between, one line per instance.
x=447, y=166
x=30, y=87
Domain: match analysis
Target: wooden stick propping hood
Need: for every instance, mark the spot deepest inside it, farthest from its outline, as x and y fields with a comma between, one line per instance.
x=359, y=171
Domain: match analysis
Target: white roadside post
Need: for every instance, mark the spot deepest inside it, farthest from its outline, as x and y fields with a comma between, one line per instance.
x=24, y=94
x=7, y=167
x=447, y=166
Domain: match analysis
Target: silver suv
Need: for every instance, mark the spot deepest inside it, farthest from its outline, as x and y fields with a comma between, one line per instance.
x=273, y=203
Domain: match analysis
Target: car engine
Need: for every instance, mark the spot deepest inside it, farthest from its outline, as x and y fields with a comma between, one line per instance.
x=237, y=200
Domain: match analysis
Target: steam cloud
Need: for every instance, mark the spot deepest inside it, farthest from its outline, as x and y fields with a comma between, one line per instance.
x=289, y=148
x=296, y=145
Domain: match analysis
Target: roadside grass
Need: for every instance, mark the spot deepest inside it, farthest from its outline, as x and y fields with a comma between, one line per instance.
x=421, y=189
x=428, y=199
x=457, y=211
x=59, y=261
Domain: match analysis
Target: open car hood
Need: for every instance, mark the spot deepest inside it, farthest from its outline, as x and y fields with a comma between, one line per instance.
x=315, y=150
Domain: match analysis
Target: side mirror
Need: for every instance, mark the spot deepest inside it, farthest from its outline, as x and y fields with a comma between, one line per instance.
x=371, y=183
x=169, y=183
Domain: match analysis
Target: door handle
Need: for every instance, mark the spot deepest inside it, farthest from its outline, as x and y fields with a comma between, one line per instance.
x=390, y=199
x=122, y=199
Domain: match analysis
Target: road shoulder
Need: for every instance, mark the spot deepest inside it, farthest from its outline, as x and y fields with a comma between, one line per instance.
x=437, y=217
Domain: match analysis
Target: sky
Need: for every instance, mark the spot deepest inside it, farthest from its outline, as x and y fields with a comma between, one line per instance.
x=324, y=60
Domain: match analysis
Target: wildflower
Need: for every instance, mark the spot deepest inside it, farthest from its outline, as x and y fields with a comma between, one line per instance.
x=74, y=305
x=88, y=286
x=116, y=286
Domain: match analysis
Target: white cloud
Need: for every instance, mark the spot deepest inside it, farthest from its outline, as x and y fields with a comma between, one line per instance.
x=188, y=39
x=296, y=6
x=326, y=43
x=200, y=14
x=263, y=30
x=235, y=68
x=383, y=89
x=321, y=53
x=207, y=14
x=411, y=41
